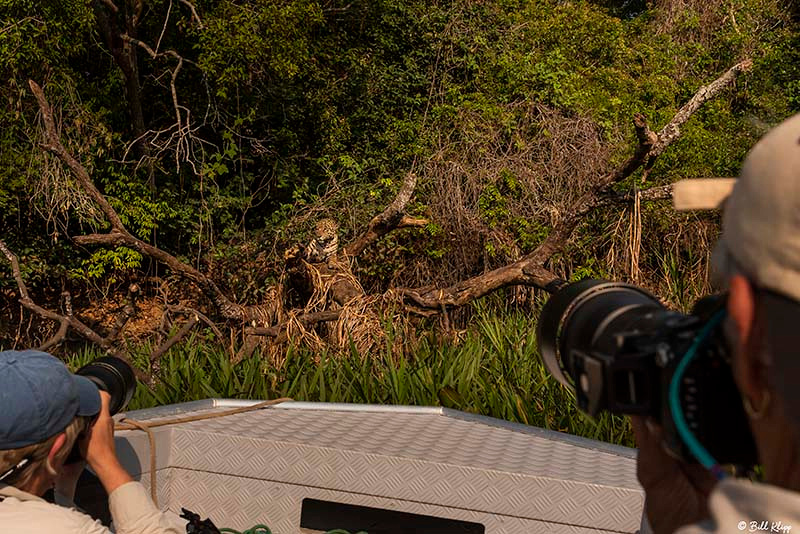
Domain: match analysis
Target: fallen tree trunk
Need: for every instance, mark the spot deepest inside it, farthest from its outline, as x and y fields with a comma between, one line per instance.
x=267, y=320
x=530, y=270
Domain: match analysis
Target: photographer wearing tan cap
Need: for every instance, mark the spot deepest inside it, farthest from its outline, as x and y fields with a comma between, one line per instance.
x=757, y=260
x=45, y=412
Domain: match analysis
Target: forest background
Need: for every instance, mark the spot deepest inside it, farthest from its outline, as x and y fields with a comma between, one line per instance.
x=221, y=132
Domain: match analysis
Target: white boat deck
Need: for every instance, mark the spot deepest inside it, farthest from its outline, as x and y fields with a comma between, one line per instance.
x=310, y=467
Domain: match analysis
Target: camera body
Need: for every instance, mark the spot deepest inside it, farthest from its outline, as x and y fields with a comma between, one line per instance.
x=618, y=348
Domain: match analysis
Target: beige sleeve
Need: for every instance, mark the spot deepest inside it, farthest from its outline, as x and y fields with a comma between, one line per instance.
x=133, y=512
x=46, y=517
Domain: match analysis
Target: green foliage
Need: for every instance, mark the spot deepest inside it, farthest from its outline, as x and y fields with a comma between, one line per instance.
x=262, y=39
x=110, y=266
x=291, y=98
x=493, y=205
x=495, y=371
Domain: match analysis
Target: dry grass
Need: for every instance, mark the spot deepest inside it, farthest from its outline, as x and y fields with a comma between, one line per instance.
x=553, y=158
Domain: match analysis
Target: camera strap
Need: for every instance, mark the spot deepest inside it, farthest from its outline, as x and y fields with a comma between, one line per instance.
x=695, y=447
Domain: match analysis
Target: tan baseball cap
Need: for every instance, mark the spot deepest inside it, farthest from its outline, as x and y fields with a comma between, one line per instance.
x=761, y=220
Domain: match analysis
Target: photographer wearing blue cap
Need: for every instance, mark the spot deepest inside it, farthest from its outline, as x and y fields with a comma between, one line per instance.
x=758, y=260
x=44, y=412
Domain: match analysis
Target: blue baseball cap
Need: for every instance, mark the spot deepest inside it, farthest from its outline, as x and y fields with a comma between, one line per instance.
x=39, y=397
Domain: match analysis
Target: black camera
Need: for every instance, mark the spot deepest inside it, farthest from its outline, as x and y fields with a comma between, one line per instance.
x=620, y=350
x=115, y=377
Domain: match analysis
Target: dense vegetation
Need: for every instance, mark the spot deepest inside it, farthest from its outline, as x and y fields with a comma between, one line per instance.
x=222, y=130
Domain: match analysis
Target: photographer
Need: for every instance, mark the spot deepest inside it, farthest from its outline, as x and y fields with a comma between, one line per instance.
x=46, y=411
x=758, y=261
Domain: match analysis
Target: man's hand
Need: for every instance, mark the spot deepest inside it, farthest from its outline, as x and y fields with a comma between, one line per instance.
x=676, y=493
x=98, y=449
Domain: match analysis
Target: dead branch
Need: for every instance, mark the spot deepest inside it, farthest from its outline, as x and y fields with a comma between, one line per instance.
x=160, y=351
x=671, y=131
x=59, y=336
x=164, y=27
x=152, y=53
x=70, y=320
x=281, y=333
x=530, y=270
x=15, y=272
x=195, y=16
x=110, y=5
x=195, y=313
x=63, y=328
x=119, y=235
x=392, y=218
x=306, y=319
x=183, y=127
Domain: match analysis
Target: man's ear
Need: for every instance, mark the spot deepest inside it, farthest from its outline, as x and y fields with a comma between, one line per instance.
x=741, y=306
x=58, y=444
x=748, y=369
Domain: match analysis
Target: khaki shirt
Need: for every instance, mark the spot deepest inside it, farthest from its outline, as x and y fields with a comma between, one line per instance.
x=742, y=506
x=131, y=510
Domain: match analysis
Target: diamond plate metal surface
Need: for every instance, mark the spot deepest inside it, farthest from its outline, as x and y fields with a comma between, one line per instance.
x=164, y=486
x=241, y=503
x=241, y=465
x=490, y=491
x=433, y=438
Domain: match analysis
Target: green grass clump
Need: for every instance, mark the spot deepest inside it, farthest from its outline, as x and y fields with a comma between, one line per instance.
x=495, y=371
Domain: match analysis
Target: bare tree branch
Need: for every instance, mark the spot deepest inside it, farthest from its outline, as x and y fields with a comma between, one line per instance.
x=152, y=53
x=15, y=272
x=393, y=217
x=58, y=338
x=195, y=313
x=160, y=351
x=63, y=328
x=195, y=16
x=119, y=235
x=69, y=319
x=183, y=135
x=173, y=74
x=110, y=5
x=530, y=270
x=671, y=131
x=306, y=319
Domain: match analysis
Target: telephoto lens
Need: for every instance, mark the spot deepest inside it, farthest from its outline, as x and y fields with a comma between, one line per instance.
x=113, y=376
x=586, y=317
x=620, y=350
